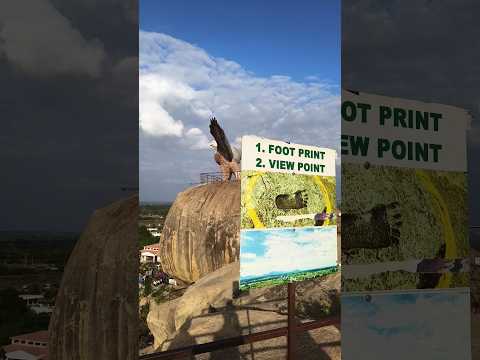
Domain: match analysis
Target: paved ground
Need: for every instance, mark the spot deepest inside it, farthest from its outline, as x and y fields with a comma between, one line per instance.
x=475, y=336
x=319, y=344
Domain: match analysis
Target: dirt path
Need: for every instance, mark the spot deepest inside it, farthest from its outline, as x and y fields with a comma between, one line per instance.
x=318, y=344
x=475, y=320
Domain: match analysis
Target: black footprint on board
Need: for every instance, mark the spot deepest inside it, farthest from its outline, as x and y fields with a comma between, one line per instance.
x=298, y=200
x=377, y=228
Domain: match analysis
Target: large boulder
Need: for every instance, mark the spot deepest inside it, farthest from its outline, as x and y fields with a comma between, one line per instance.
x=213, y=294
x=161, y=321
x=96, y=310
x=201, y=231
x=215, y=289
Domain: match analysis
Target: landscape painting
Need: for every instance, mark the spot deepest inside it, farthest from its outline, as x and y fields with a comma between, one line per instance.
x=278, y=256
x=428, y=324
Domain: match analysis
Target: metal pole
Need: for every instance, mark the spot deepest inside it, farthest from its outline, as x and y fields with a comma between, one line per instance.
x=291, y=322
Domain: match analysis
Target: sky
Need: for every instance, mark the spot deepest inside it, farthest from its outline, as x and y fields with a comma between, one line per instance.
x=69, y=131
x=296, y=39
x=258, y=74
x=69, y=128
x=263, y=251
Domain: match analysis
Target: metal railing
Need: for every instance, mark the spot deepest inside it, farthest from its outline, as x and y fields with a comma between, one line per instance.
x=189, y=351
x=213, y=177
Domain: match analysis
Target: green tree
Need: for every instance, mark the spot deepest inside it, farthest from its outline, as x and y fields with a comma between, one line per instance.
x=144, y=237
x=148, y=286
x=16, y=318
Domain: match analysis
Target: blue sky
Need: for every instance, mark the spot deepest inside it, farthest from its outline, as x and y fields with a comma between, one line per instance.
x=302, y=39
x=279, y=250
x=272, y=76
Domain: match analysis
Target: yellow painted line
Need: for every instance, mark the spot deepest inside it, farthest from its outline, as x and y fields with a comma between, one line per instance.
x=251, y=212
x=449, y=234
x=257, y=223
x=328, y=203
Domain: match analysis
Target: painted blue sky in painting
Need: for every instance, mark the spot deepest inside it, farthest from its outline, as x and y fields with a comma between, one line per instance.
x=409, y=325
x=285, y=250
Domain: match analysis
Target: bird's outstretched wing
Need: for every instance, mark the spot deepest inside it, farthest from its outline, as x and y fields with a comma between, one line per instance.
x=223, y=146
x=237, y=154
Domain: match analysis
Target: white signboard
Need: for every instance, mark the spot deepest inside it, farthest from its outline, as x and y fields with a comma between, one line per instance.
x=278, y=156
x=288, y=206
x=404, y=133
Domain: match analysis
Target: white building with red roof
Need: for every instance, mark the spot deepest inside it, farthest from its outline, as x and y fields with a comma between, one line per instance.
x=150, y=253
x=32, y=346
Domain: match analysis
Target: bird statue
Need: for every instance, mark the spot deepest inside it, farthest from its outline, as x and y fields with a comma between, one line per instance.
x=227, y=157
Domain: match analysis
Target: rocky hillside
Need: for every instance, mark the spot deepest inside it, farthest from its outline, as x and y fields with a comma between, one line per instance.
x=201, y=231
x=208, y=311
x=96, y=311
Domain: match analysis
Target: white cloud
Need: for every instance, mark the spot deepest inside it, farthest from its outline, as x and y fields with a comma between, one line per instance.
x=197, y=139
x=39, y=40
x=434, y=325
x=155, y=120
x=249, y=256
x=286, y=251
x=182, y=86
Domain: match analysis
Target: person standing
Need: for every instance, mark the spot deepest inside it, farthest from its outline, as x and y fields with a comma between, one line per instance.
x=321, y=217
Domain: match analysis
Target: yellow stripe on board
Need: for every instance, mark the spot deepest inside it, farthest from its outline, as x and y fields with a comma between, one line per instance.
x=257, y=223
x=326, y=195
x=251, y=181
x=251, y=212
x=449, y=234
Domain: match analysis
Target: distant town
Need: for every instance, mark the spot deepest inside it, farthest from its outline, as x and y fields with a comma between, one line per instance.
x=154, y=284
x=31, y=269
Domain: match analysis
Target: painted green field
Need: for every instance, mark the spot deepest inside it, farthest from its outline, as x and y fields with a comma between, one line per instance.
x=273, y=280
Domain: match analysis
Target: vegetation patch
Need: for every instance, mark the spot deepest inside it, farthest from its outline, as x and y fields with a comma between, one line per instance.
x=272, y=280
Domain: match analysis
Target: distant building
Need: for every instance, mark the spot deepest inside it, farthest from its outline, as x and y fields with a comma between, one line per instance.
x=35, y=303
x=154, y=231
x=150, y=254
x=41, y=309
x=32, y=346
x=31, y=299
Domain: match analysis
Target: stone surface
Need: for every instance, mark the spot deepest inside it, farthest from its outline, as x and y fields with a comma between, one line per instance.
x=207, y=311
x=214, y=289
x=96, y=310
x=318, y=344
x=475, y=336
x=161, y=321
x=201, y=231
